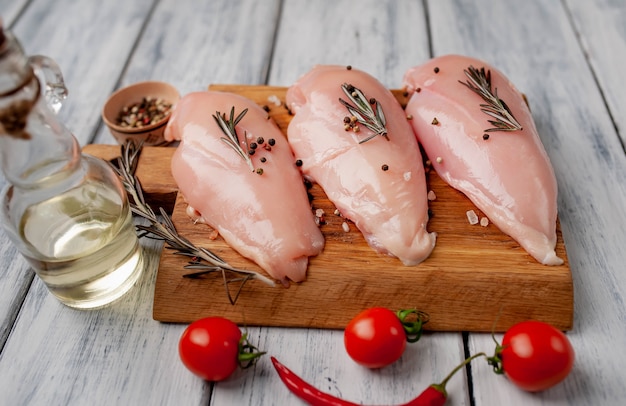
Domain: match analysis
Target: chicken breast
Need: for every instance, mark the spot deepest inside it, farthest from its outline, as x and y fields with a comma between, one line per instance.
x=488, y=149
x=266, y=216
x=375, y=178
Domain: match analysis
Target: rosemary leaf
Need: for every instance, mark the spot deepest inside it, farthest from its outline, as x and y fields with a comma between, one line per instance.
x=479, y=82
x=371, y=118
x=232, y=139
x=165, y=230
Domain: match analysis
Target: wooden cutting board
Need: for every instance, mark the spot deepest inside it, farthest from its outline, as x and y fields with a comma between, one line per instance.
x=477, y=278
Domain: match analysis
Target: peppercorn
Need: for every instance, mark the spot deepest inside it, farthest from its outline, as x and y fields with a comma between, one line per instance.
x=271, y=141
x=385, y=167
x=260, y=140
x=436, y=69
x=253, y=145
x=149, y=110
x=263, y=159
x=485, y=136
x=298, y=162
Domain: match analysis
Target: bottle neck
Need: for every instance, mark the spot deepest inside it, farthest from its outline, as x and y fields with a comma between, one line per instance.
x=34, y=146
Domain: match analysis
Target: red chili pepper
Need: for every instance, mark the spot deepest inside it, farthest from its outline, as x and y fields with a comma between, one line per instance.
x=306, y=391
x=434, y=395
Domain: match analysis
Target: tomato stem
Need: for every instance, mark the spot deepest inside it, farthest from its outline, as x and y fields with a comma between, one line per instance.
x=413, y=323
x=248, y=353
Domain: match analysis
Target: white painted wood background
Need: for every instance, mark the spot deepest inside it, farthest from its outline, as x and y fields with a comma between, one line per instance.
x=568, y=56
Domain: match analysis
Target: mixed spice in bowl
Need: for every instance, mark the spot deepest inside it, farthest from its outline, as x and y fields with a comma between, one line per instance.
x=140, y=112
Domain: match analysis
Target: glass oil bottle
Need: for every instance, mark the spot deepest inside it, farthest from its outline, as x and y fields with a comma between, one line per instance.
x=66, y=212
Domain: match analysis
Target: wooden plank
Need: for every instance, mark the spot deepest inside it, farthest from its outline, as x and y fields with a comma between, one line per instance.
x=474, y=276
x=383, y=38
x=600, y=27
x=227, y=41
x=590, y=165
x=10, y=10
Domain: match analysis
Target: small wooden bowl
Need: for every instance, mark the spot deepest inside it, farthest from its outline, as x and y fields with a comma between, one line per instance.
x=151, y=134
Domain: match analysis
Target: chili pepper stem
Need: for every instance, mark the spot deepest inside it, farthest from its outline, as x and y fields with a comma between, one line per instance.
x=441, y=386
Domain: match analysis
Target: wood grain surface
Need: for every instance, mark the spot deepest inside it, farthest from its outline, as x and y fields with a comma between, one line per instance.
x=476, y=277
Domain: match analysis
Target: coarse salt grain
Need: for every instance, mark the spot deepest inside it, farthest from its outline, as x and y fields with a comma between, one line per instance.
x=345, y=226
x=431, y=195
x=407, y=176
x=484, y=221
x=319, y=213
x=471, y=217
x=274, y=99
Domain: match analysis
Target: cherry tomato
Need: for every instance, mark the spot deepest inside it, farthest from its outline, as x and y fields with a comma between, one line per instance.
x=209, y=348
x=535, y=355
x=375, y=338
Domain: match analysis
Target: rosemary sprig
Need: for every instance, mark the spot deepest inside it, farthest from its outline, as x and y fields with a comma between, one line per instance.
x=371, y=117
x=166, y=231
x=479, y=82
x=232, y=139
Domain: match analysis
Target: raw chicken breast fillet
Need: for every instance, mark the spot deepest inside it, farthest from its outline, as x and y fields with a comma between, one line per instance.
x=506, y=174
x=266, y=218
x=379, y=184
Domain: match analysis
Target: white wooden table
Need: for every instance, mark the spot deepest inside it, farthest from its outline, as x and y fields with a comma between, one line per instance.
x=569, y=58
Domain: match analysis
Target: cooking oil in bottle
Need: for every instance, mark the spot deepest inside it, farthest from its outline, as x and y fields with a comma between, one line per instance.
x=89, y=254
x=67, y=213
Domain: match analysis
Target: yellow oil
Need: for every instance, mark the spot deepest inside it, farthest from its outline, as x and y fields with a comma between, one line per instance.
x=87, y=250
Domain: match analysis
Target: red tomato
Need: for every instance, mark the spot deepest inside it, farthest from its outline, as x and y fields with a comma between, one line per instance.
x=209, y=348
x=536, y=356
x=375, y=338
